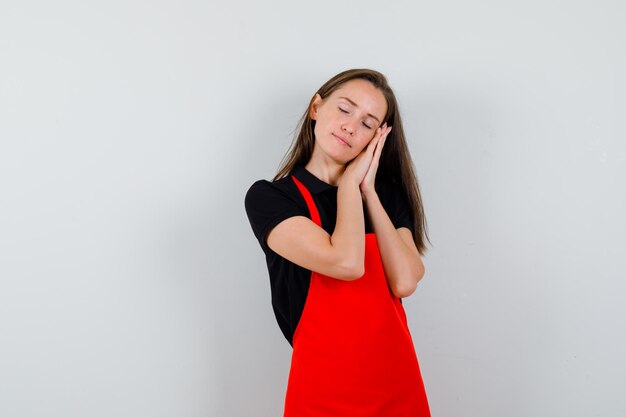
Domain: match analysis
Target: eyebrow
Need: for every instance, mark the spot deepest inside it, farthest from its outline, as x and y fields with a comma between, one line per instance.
x=356, y=105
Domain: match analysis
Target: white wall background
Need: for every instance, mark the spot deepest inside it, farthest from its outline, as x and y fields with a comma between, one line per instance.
x=131, y=283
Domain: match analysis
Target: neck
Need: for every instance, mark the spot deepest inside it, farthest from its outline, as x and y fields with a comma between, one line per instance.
x=325, y=169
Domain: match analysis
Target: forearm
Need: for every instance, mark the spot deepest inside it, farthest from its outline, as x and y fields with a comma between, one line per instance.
x=403, y=266
x=349, y=234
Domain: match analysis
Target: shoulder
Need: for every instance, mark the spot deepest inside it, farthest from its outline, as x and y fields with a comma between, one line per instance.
x=268, y=203
x=264, y=192
x=390, y=193
x=393, y=198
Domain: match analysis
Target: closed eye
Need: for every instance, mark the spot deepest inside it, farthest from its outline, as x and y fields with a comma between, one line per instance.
x=342, y=110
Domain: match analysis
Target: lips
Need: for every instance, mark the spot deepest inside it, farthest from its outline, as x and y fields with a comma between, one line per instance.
x=342, y=140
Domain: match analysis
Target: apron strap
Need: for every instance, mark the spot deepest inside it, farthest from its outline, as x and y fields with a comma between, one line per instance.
x=315, y=216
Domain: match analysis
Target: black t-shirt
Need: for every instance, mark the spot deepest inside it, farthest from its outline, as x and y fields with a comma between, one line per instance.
x=268, y=203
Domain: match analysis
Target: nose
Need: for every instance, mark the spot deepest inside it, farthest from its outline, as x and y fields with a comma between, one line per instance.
x=348, y=127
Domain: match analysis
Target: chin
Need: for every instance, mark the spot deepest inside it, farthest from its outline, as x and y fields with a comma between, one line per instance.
x=342, y=158
x=339, y=154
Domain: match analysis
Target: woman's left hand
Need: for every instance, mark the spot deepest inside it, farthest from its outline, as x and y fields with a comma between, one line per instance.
x=367, y=185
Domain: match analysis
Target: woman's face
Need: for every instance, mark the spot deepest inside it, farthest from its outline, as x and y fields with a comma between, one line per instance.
x=346, y=121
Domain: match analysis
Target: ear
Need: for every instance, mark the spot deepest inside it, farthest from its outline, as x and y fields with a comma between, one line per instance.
x=314, y=106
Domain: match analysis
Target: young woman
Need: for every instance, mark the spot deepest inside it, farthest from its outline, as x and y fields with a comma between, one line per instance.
x=342, y=228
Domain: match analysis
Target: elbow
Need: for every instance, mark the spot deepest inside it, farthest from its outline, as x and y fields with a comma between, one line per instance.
x=347, y=265
x=356, y=272
x=407, y=287
x=404, y=290
x=420, y=275
x=351, y=271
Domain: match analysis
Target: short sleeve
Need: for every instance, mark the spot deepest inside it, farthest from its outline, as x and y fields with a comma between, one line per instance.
x=266, y=206
x=396, y=205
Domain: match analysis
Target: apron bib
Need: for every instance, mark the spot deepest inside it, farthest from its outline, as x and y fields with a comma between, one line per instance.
x=353, y=354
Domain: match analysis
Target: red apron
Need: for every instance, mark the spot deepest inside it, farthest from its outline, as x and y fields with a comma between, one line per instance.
x=353, y=354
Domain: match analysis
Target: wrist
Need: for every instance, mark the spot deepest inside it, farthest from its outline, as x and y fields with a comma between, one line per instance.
x=348, y=181
x=369, y=194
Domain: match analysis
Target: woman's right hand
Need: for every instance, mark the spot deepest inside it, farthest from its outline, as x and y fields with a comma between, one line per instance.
x=357, y=168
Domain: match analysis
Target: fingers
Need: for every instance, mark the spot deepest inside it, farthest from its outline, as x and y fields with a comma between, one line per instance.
x=383, y=132
x=379, y=149
x=374, y=148
x=372, y=144
x=379, y=139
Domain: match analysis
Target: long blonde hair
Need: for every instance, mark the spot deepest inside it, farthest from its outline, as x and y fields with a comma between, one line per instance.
x=395, y=163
